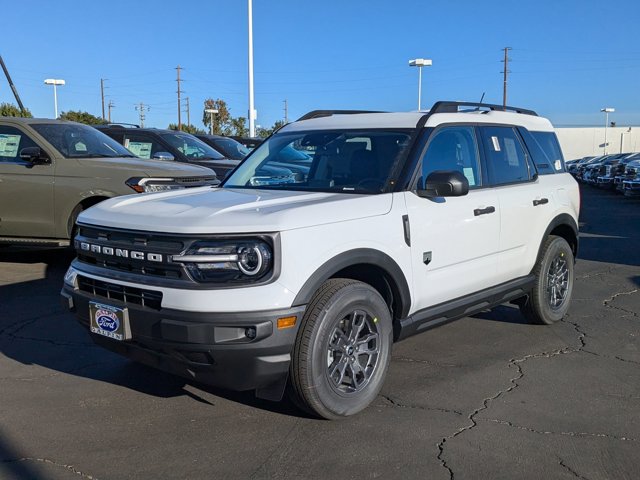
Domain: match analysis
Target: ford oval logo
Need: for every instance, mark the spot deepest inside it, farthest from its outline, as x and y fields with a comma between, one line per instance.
x=107, y=320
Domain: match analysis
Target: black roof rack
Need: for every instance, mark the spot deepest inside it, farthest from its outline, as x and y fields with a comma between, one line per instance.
x=119, y=124
x=328, y=113
x=452, y=107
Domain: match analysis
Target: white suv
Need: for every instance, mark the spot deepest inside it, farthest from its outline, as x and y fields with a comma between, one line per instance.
x=342, y=233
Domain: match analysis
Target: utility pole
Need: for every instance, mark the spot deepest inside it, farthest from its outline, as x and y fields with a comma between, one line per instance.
x=102, y=95
x=505, y=72
x=178, y=68
x=13, y=87
x=286, y=112
x=111, y=105
x=188, y=116
x=141, y=108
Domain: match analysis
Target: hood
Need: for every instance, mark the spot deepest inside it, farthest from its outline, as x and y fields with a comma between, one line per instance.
x=155, y=168
x=226, y=210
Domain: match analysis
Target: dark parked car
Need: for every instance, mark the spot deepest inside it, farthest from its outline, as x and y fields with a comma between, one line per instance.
x=613, y=168
x=227, y=146
x=154, y=143
x=249, y=142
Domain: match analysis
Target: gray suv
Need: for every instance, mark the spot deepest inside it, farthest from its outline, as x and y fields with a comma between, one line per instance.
x=51, y=170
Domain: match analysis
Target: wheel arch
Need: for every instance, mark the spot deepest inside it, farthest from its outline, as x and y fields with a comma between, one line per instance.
x=562, y=226
x=85, y=203
x=366, y=265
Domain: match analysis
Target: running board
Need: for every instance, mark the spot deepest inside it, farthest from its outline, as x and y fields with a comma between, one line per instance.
x=462, y=307
x=40, y=242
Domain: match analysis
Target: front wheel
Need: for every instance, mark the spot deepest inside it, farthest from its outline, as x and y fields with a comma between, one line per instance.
x=342, y=350
x=551, y=295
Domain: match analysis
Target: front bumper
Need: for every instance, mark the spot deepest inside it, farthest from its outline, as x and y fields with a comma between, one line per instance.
x=212, y=348
x=631, y=187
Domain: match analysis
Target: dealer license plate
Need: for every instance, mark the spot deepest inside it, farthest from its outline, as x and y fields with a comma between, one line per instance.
x=108, y=321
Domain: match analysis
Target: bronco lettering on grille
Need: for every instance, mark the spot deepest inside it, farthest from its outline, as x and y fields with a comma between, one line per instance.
x=120, y=252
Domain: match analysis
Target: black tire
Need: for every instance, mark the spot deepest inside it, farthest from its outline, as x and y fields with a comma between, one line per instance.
x=346, y=323
x=71, y=227
x=549, y=300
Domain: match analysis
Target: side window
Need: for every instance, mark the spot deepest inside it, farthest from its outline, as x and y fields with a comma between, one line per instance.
x=548, y=141
x=505, y=156
x=453, y=148
x=141, y=145
x=12, y=141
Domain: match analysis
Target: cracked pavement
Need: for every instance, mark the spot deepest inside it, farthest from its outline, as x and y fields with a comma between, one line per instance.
x=484, y=397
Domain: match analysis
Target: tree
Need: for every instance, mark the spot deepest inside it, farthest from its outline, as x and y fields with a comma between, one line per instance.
x=221, y=120
x=192, y=129
x=82, y=117
x=10, y=110
x=265, y=132
x=239, y=127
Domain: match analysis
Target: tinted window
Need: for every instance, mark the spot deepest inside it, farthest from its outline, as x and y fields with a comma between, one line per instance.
x=505, y=155
x=453, y=148
x=549, y=144
x=80, y=141
x=191, y=147
x=141, y=145
x=544, y=164
x=12, y=141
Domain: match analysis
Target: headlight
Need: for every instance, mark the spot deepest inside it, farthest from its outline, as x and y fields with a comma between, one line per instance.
x=228, y=261
x=147, y=185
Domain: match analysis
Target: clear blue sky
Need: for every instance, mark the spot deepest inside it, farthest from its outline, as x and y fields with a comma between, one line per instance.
x=569, y=58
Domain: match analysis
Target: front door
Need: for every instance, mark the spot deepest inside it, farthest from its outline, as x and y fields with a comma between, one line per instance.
x=454, y=240
x=26, y=190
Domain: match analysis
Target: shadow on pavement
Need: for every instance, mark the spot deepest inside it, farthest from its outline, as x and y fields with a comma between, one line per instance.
x=13, y=465
x=36, y=330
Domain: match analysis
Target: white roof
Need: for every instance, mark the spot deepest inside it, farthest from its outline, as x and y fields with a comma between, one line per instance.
x=410, y=119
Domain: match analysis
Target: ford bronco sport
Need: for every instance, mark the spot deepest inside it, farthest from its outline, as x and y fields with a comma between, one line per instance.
x=305, y=278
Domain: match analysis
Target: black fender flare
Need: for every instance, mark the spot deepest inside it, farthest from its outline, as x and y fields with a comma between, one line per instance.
x=367, y=256
x=562, y=219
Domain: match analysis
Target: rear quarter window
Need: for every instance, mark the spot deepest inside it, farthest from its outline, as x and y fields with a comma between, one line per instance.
x=545, y=151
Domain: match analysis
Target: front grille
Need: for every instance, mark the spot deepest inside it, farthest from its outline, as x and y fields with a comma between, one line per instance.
x=131, y=241
x=138, y=296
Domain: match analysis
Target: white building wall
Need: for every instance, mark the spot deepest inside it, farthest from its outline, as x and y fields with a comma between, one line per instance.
x=578, y=142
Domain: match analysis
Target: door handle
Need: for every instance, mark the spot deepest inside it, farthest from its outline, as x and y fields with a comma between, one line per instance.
x=542, y=201
x=484, y=211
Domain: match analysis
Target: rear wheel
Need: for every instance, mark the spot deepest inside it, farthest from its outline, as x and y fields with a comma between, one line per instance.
x=342, y=351
x=551, y=295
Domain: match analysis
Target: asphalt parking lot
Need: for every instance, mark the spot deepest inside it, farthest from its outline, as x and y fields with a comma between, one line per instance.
x=485, y=397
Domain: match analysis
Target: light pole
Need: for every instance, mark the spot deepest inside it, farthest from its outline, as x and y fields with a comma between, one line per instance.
x=252, y=112
x=607, y=111
x=420, y=62
x=211, y=112
x=55, y=82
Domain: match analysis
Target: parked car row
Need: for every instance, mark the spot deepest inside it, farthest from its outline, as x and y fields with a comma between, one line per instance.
x=619, y=172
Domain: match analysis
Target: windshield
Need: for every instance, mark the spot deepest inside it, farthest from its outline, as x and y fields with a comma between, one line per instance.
x=229, y=147
x=328, y=161
x=73, y=140
x=191, y=147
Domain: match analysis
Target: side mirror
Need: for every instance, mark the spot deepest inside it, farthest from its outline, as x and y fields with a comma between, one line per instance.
x=163, y=156
x=34, y=155
x=444, y=183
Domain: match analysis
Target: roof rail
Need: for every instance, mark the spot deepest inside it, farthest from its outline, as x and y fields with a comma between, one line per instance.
x=328, y=113
x=120, y=124
x=452, y=107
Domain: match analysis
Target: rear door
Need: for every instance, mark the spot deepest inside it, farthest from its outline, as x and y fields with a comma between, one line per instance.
x=524, y=201
x=26, y=190
x=454, y=240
